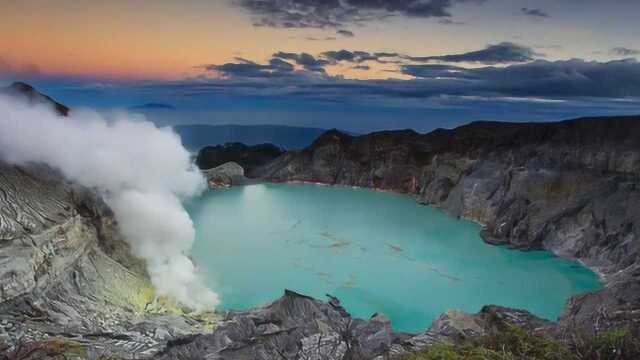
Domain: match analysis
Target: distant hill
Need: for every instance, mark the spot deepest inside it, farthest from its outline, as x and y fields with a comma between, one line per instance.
x=33, y=96
x=195, y=137
x=249, y=157
x=153, y=106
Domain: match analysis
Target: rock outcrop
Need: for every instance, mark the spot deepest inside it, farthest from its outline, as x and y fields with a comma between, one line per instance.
x=570, y=187
x=299, y=327
x=225, y=175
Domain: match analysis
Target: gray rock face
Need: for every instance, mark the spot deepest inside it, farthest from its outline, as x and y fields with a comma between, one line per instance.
x=225, y=175
x=70, y=288
x=292, y=327
x=570, y=187
x=298, y=327
x=65, y=273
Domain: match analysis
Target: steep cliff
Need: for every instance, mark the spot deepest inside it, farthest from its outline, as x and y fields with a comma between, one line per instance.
x=571, y=187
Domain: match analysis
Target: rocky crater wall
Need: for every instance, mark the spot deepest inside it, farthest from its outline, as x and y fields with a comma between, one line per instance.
x=570, y=187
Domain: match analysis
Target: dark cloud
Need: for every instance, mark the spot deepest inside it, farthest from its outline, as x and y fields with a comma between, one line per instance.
x=623, y=51
x=282, y=63
x=361, y=67
x=541, y=78
x=337, y=13
x=248, y=69
x=386, y=55
x=360, y=56
x=345, y=33
x=506, y=52
x=308, y=61
x=538, y=13
x=433, y=71
x=350, y=56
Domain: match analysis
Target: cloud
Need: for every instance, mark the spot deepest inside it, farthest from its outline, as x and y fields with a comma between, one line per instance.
x=566, y=79
x=357, y=56
x=433, y=71
x=281, y=64
x=328, y=38
x=308, y=61
x=350, y=56
x=345, y=33
x=361, y=67
x=505, y=52
x=541, y=78
x=386, y=55
x=623, y=51
x=143, y=172
x=338, y=13
x=537, y=13
x=248, y=69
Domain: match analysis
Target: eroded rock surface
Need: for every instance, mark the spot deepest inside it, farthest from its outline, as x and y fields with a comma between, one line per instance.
x=297, y=327
x=225, y=175
x=66, y=274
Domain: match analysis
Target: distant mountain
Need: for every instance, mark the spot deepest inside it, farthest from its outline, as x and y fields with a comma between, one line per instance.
x=33, y=96
x=153, y=106
x=195, y=137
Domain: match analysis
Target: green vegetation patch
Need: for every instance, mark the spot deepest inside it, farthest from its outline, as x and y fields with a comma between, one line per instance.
x=518, y=344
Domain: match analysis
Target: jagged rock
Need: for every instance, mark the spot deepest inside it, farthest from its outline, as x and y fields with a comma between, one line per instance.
x=293, y=327
x=225, y=175
x=457, y=324
x=299, y=327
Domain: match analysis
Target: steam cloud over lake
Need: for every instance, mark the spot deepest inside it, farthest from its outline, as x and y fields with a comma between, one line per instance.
x=142, y=171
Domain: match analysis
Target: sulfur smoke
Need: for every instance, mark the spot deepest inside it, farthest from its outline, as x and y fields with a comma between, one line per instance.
x=142, y=171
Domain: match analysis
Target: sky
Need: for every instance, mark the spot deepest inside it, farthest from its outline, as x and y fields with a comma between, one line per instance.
x=358, y=65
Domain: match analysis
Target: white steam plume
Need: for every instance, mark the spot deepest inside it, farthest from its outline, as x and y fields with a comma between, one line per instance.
x=142, y=171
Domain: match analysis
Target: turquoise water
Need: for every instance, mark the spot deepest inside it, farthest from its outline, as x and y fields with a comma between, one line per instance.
x=378, y=252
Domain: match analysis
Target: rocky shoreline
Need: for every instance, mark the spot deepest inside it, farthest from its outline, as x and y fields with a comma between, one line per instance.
x=90, y=299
